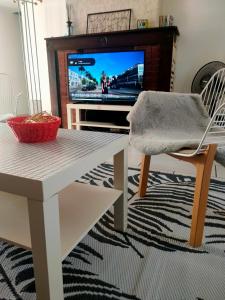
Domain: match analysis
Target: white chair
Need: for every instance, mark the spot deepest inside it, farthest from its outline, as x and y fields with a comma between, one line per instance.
x=8, y=99
x=202, y=156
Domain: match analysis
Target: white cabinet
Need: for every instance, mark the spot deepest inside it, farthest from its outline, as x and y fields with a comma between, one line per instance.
x=79, y=122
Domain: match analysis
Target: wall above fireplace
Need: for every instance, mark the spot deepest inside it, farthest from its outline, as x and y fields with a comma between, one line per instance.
x=158, y=44
x=141, y=9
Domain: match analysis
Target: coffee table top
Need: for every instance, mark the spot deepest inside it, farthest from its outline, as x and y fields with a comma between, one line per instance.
x=67, y=158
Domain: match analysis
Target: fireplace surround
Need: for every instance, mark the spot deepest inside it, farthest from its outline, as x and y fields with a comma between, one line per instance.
x=158, y=43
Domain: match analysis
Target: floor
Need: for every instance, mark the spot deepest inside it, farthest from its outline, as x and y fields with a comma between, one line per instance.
x=153, y=259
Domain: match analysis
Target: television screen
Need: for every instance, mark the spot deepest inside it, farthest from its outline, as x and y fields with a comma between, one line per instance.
x=105, y=77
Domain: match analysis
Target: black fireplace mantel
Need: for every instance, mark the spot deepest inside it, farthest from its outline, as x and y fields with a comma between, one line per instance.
x=158, y=44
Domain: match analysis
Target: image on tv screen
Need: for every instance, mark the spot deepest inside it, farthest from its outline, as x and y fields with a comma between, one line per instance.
x=106, y=76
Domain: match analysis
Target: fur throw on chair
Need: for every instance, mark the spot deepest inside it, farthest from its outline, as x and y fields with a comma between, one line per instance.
x=164, y=122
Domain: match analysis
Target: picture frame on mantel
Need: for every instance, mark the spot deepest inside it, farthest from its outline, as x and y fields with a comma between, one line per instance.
x=109, y=21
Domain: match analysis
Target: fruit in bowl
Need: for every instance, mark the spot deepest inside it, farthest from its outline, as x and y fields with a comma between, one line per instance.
x=41, y=127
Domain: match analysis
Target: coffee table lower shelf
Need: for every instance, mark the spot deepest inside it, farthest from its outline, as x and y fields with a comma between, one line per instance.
x=80, y=208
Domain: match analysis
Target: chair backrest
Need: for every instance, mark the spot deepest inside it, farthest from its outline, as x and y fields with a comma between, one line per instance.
x=7, y=97
x=213, y=96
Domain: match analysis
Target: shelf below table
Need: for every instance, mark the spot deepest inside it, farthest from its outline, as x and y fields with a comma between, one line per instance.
x=80, y=208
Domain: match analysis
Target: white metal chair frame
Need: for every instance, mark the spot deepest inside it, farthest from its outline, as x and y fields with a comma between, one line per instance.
x=9, y=100
x=213, y=96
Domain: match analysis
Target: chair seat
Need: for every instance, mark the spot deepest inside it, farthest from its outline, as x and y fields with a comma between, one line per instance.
x=155, y=142
x=185, y=151
x=167, y=122
x=5, y=117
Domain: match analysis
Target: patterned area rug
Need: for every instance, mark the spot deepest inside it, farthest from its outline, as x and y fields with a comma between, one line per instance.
x=152, y=260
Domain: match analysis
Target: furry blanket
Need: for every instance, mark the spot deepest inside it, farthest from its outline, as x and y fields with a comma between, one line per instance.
x=163, y=122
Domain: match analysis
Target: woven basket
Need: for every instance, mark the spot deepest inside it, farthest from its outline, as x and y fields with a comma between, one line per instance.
x=34, y=132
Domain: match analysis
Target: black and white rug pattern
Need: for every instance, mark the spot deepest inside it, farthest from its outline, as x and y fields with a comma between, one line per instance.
x=152, y=260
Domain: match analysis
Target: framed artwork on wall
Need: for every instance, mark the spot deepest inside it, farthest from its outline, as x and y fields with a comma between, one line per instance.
x=142, y=23
x=109, y=21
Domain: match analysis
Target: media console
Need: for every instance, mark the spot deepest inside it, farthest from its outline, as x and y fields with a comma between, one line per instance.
x=158, y=45
x=78, y=122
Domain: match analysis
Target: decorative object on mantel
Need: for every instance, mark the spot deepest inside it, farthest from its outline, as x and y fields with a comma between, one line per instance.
x=166, y=21
x=142, y=23
x=69, y=8
x=109, y=21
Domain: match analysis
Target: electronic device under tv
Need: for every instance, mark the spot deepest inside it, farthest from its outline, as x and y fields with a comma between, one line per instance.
x=105, y=77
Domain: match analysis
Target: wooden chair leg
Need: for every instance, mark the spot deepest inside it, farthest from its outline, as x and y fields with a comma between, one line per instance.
x=203, y=165
x=144, y=175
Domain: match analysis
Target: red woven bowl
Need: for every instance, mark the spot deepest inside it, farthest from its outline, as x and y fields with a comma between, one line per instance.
x=34, y=132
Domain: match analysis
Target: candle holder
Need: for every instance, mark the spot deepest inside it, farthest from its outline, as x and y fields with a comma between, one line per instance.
x=69, y=26
x=69, y=9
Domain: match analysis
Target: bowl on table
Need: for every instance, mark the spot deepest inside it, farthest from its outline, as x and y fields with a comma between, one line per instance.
x=34, y=132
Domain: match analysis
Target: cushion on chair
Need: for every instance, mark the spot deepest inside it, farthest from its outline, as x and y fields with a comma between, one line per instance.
x=163, y=122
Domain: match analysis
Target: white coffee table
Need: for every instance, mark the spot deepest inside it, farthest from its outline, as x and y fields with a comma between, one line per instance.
x=55, y=213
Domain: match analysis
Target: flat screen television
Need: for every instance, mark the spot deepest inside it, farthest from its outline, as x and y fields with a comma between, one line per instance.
x=105, y=77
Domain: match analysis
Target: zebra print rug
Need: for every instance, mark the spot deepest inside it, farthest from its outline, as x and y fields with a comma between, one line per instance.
x=152, y=260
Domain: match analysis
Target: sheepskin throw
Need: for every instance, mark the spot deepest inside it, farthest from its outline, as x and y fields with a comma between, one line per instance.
x=163, y=122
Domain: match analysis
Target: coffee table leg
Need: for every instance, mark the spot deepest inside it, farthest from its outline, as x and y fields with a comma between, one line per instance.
x=46, y=248
x=120, y=183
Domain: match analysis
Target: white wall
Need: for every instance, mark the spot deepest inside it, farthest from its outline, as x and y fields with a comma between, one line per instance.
x=51, y=21
x=201, y=24
x=55, y=17
x=11, y=58
x=41, y=29
x=141, y=9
